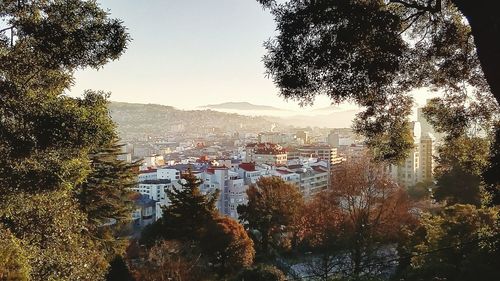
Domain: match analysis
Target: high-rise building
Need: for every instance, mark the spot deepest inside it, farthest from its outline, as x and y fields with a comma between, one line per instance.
x=303, y=135
x=419, y=165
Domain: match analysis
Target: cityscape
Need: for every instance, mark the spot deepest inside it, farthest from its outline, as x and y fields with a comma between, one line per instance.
x=259, y=140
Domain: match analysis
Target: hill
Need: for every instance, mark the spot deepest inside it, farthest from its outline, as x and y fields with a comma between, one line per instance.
x=139, y=120
x=241, y=106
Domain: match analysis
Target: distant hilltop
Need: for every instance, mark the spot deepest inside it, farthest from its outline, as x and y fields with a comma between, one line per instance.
x=241, y=106
x=135, y=119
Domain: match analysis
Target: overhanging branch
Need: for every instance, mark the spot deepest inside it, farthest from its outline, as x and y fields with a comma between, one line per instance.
x=414, y=5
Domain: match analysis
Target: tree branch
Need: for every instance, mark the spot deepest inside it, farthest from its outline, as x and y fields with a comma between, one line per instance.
x=7, y=28
x=414, y=5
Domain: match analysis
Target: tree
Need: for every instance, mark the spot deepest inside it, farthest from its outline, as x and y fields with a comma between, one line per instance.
x=320, y=231
x=192, y=221
x=105, y=192
x=272, y=209
x=374, y=53
x=374, y=211
x=13, y=259
x=47, y=138
x=173, y=260
x=490, y=174
x=104, y=196
x=459, y=243
x=119, y=271
x=228, y=246
x=263, y=273
x=420, y=191
x=460, y=164
x=190, y=212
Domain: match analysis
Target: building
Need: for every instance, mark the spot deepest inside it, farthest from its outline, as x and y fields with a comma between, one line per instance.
x=311, y=179
x=419, y=165
x=303, y=136
x=333, y=139
x=265, y=153
x=144, y=211
x=275, y=137
x=427, y=153
x=231, y=186
x=321, y=152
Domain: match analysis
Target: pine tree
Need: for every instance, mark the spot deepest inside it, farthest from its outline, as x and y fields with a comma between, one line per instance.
x=190, y=211
x=105, y=196
x=105, y=193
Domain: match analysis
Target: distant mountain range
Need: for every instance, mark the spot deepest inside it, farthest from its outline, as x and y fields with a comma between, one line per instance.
x=327, y=109
x=241, y=106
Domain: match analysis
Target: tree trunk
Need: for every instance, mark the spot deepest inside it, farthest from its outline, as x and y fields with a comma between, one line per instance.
x=484, y=20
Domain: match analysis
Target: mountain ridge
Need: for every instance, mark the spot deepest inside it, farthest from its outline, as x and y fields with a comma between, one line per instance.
x=241, y=106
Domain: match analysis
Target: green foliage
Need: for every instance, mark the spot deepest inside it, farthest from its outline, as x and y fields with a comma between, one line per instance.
x=261, y=272
x=490, y=174
x=47, y=138
x=460, y=243
x=192, y=226
x=14, y=263
x=458, y=173
x=420, y=191
x=374, y=53
x=105, y=195
x=190, y=212
x=273, y=210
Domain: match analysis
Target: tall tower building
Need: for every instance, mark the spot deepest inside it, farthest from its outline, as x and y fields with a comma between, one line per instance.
x=419, y=165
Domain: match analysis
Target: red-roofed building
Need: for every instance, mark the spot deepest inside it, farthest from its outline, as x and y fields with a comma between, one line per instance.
x=249, y=167
x=265, y=153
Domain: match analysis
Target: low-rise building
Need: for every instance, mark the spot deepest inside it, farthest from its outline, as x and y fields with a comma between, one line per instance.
x=266, y=153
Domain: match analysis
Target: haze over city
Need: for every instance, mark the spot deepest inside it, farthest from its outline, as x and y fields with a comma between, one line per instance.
x=193, y=53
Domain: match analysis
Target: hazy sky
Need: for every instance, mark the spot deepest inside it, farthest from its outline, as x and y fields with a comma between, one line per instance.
x=188, y=53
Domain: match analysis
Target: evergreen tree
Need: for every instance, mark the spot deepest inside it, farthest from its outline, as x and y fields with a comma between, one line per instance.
x=105, y=196
x=190, y=212
x=106, y=190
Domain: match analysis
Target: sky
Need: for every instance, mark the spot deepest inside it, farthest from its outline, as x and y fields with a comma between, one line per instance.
x=190, y=53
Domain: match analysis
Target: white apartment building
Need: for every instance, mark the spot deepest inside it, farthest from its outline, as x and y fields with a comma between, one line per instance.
x=231, y=186
x=147, y=175
x=154, y=189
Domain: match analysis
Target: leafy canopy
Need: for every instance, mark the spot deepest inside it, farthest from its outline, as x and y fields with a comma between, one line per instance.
x=373, y=53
